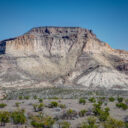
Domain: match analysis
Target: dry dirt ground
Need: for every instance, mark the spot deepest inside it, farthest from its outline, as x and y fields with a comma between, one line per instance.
x=70, y=104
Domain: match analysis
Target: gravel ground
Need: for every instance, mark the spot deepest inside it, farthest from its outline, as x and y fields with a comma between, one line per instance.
x=70, y=104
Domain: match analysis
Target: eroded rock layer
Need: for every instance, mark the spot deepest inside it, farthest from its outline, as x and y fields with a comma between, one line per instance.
x=55, y=56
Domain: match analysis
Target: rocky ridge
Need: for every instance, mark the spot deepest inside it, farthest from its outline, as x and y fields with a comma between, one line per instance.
x=61, y=56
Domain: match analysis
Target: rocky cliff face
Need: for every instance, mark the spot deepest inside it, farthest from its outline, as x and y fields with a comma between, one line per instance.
x=55, y=56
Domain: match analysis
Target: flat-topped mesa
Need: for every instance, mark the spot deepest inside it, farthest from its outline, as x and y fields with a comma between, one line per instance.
x=61, y=55
x=47, y=39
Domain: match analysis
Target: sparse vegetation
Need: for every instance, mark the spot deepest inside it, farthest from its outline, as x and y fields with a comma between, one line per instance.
x=122, y=105
x=92, y=99
x=53, y=104
x=4, y=117
x=91, y=123
x=64, y=124
x=82, y=113
x=111, y=99
x=82, y=101
x=120, y=99
x=18, y=117
x=2, y=105
x=64, y=109
x=41, y=121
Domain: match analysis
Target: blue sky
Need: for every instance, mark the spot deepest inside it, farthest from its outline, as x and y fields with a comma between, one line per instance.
x=107, y=18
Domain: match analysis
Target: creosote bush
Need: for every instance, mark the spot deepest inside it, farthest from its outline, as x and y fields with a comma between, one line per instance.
x=82, y=113
x=4, y=117
x=101, y=113
x=122, y=105
x=53, y=104
x=26, y=97
x=18, y=117
x=64, y=124
x=91, y=123
x=82, y=101
x=41, y=121
x=40, y=100
x=111, y=99
x=62, y=106
x=120, y=99
x=38, y=107
x=2, y=105
x=92, y=99
x=20, y=97
x=113, y=123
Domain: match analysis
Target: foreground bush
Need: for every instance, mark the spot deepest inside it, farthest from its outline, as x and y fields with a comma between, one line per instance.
x=40, y=121
x=91, y=123
x=64, y=124
x=2, y=105
x=40, y=100
x=69, y=114
x=111, y=99
x=18, y=117
x=92, y=99
x=4, y=117
x=120, y=99
x=101, y=113
x=82, y=113
x=62, y=106
x=122, y=105
x=53, y=104
x=113, y=123
x=37, y=107
x=82, y=101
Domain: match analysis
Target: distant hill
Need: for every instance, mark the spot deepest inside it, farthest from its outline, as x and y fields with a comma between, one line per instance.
x=61, y=56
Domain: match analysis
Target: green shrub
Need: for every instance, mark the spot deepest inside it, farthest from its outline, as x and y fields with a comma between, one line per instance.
x=70, y=114
x=53, y=104
x=64, y=124
x=40, y=100
x=62, y=106
x=40, y=107
x=126, y=125
x=120, y=99
x=26, y=97
x=90, y=123
x=113, y=123
x=96, y=109
x=82, y=101
x=82, y=113
x=35, y=97
x=111, y=99
x=20, y=97
x=2, y=105
x=4, y=117
x=122, y=105
x=17, y=104
x=42, y=121
x=101, y=113
x=18, y=117
x=92, y=99
x=37, y=107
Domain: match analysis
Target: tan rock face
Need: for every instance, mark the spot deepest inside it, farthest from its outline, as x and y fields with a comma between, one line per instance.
x=67, y=54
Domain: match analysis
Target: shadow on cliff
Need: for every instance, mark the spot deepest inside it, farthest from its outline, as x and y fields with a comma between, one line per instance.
x=3, y=45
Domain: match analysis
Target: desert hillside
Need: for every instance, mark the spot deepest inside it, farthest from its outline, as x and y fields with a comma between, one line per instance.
x=61, y=56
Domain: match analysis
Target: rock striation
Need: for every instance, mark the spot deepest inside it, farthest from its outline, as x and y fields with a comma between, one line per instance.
x=61, y=56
